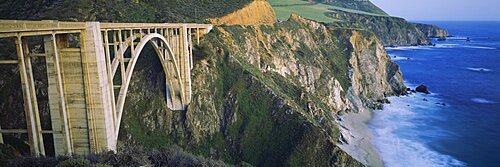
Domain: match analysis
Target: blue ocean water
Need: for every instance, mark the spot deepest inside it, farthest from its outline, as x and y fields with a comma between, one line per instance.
x=465, y=76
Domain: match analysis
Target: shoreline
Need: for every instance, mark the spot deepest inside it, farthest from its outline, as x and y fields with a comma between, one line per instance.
x=355, y=131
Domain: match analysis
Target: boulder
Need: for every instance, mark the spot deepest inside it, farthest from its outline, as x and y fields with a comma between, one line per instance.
x=422, y=89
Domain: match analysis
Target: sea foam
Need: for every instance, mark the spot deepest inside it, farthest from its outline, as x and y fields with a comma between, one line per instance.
x=397, y=58
x=409, y=48
x=396, y=128
x=482, y=101
x=479, y=69
x=479, y=47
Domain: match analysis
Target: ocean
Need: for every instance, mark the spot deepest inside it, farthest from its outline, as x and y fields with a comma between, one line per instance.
x=459, y=123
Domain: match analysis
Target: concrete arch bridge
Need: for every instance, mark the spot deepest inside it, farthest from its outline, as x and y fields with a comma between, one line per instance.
x=88, y=78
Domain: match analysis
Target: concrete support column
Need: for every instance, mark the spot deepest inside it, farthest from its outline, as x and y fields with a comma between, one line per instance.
x=35, y=138
x=57, y=100
x=98, y=96
x=185, y=64
x=1, y=136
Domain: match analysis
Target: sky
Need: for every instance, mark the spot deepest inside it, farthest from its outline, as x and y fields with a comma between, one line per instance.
x=433, y=10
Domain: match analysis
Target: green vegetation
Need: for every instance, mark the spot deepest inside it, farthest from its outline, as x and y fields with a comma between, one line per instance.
x=266, y=118
x=118, y=10
x=362, y=5
x=314, y=11
x=74, y=163
x=165, y=156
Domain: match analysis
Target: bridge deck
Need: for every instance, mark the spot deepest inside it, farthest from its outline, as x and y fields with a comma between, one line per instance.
x=13, y=28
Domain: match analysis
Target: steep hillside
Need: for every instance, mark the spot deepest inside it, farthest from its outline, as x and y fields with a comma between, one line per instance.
x=257, y=12
x=119, y=10
x=267, y=95
x=392, y=31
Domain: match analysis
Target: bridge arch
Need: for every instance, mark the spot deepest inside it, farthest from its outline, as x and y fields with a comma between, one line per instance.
x=175, y=85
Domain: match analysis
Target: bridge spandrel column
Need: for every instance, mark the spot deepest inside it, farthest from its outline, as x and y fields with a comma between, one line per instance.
x=1, y=136
x=184, y=63
x=62, y=146
x=35, y=138
x=98, y=96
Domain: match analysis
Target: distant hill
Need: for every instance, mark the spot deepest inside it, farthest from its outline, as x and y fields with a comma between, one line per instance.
x=362, y=5
x=359, y=14
x=119, y=10
x=311, y=9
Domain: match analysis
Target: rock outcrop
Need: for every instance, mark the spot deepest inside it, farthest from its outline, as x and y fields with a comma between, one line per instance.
x=254, y=13
x=422, y=89
x=392, y=31
x=432, y=31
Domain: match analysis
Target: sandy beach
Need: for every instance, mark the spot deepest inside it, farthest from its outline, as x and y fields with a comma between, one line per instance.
x=355, y=130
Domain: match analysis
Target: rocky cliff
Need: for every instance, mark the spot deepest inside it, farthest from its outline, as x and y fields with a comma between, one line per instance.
x=392, y=31
x=267, y=95
x=254, y=13
x=431, y=31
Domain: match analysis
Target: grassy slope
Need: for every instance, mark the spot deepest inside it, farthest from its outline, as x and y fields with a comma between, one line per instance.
x=118, y=10
x=366, y=6
x=284, y=8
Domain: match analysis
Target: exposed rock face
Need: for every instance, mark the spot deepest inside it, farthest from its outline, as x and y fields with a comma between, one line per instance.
x=392, y=31
x=432, y=31
x=269, y=95
x=254, y=13
x=387, y=79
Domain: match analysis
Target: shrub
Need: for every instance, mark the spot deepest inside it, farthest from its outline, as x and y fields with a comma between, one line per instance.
x=175, y=156
x=74, y=163
x=31, y=161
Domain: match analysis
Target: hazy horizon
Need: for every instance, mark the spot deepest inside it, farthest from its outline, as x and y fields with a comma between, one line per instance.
x=442, y=10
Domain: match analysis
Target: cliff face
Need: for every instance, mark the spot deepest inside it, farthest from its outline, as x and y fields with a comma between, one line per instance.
x=392, y=31
x=267, y=95
x=257, y=12
x=432, y=31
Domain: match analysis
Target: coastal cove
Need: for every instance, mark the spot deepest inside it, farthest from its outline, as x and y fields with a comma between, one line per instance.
x=457, y=124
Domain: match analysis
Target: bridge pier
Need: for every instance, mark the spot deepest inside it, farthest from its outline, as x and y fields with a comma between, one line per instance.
x=101, y=127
